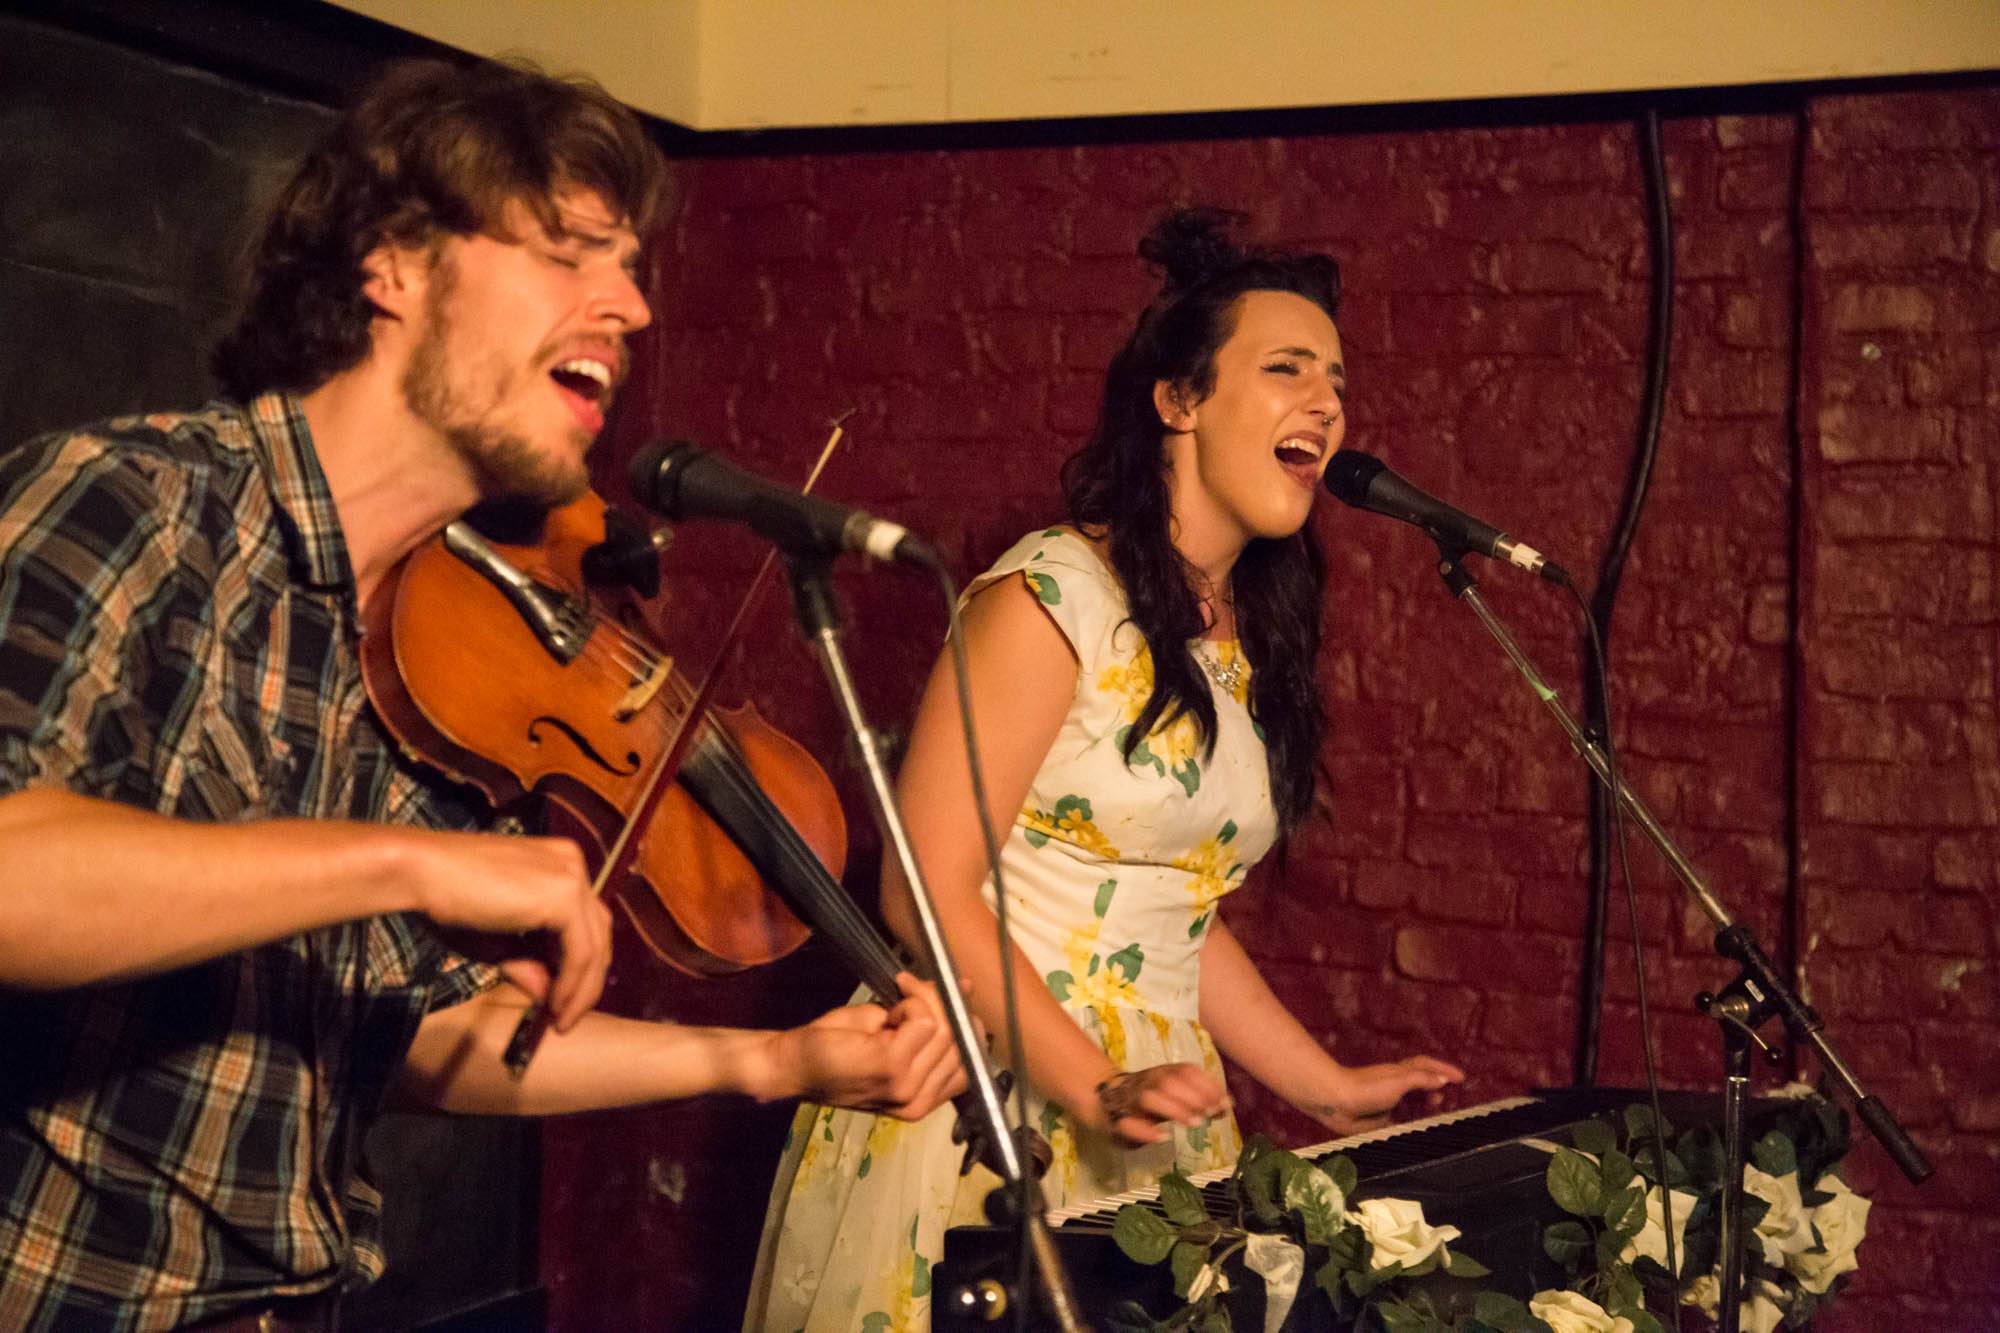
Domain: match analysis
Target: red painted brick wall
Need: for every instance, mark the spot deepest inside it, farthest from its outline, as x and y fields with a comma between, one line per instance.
x=1803, y=654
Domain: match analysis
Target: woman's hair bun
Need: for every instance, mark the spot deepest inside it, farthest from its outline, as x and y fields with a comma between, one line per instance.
x=1191, y=244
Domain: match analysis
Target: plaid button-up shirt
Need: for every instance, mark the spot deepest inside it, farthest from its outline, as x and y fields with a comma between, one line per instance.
x=178, y=632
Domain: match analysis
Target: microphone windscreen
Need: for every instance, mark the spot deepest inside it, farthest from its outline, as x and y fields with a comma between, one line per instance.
x=1349, y=474
x=654, y=471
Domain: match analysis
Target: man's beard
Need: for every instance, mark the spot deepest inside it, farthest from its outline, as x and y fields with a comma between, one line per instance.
x=507, y=464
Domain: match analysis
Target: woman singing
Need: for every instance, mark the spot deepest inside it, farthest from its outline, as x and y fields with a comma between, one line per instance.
x=1142, y=682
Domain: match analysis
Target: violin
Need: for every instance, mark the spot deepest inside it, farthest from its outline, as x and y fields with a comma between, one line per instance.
x=492, y=661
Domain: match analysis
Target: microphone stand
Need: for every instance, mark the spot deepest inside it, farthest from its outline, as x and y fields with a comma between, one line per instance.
x=1757, y=994
x=820, y=622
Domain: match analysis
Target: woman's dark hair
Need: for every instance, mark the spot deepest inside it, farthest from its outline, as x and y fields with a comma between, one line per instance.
x=428, y=149
x=1118, y=482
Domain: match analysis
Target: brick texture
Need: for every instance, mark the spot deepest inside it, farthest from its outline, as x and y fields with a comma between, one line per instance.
x=1803, y=654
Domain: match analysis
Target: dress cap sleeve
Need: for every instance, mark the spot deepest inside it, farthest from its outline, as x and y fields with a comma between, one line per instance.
x=1072, y=583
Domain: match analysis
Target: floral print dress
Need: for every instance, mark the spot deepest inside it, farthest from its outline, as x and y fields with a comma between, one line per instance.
x=1113, y=872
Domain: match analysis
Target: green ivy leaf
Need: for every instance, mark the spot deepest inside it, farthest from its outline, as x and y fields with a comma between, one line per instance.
x=1128, y=960
x=1622, y=1292
x=1258, y=1190
x=1327, y=1279
x=1284, y=1165
x=1639, y=1122
x=1311, y=1194
x=1104, y=892
x=1594, y=1137
x=1574, y=1183
x=1397, y=1317
x=1347, y=1249
x=1200, y=924
x=1181, y=1199
x=1059, y=984
x=1345, y=1176
x=1187, y=1261
x=1701, y=1149
x=1774, y=1155
x=1670, y=1163
x=920, y=1277
x=875, y=1321
x=1503, y=1313
x=1625, y=1213
x=1143, y=1234
x=1463, y=1265
x=1563, y=1242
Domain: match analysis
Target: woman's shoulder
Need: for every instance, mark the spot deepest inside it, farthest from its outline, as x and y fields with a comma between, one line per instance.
x=1067, y=574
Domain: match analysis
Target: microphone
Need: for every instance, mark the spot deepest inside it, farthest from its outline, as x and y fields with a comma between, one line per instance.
x=1365, y=482
x=684, y=481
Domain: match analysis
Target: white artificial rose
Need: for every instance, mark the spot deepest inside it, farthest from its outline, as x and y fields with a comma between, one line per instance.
x=1842, y=1222
x=1704, y=1292
x=1569, y=1312
x=1761, y=1312
x=1397, y=1232
x=1783, y=1230
x=1652, y=1238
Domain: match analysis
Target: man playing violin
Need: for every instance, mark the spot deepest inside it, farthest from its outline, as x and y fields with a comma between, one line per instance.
x=227, y=894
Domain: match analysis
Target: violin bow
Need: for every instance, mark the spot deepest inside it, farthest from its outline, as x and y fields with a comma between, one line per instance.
x=617, y=858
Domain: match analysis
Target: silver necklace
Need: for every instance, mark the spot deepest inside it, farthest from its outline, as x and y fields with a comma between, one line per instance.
x=1229, y=675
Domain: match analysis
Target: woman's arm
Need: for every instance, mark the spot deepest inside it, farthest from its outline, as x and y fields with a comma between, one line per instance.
x=1253, y=1028
x=1023, y=676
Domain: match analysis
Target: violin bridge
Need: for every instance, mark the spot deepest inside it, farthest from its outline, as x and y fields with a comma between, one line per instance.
x=643, y=690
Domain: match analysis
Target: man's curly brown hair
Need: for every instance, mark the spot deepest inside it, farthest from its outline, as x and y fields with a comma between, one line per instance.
x=429, y=149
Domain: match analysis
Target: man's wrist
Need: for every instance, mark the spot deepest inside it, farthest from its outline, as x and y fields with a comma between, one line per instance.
x=754, y=1064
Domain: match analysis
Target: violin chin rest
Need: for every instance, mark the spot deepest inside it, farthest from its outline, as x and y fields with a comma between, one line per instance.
x=628, y=557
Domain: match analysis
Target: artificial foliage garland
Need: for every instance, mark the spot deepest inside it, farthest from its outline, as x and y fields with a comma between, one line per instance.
x=1378, y=1264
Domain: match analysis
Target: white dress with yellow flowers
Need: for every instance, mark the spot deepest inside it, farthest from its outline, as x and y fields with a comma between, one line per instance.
x=1113, y=872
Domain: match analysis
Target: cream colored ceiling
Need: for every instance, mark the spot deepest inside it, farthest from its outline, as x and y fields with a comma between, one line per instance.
x=752, y=64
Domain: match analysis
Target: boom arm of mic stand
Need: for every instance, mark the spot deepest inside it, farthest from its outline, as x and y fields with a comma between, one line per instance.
x=1732, y=939
x=819, y=619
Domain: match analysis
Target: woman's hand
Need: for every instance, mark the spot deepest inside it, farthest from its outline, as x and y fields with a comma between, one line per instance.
x=1362, y=1096
x=1136, y=1106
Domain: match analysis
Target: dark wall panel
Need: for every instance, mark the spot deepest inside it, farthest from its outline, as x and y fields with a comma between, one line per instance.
x=133, y=187
x=130, y=190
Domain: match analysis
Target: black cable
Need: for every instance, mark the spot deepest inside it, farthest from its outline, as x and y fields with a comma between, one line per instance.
x=962, y=677
x=1596, y=716
x=1610, y=787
